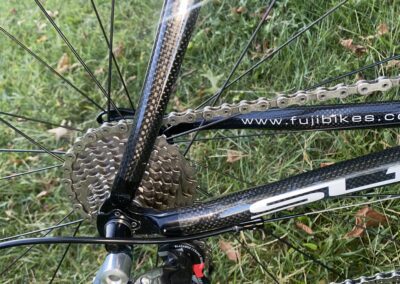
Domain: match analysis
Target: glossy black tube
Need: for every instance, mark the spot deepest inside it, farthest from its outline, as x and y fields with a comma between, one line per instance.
x=367, y=172
x=174, y=31
x=325, y=117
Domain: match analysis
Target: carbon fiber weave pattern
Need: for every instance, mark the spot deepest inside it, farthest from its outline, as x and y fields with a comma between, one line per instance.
x=173, y=36
x=233, y=209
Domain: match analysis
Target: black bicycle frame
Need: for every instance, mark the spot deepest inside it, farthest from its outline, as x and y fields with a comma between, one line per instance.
x=248, y=206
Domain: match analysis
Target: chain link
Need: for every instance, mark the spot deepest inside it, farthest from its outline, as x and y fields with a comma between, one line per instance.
x=379, y=278
x=362, y=87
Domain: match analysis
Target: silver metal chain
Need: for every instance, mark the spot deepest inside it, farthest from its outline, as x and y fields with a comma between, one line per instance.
x=362, y=87
x=378, y=278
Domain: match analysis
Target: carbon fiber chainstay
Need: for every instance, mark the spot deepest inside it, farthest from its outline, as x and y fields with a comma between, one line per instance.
x=363, y=173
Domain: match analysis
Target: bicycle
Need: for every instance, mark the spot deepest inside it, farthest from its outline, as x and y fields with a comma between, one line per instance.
x=145, y=191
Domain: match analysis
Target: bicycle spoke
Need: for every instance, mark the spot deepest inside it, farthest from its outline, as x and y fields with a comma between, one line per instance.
x=11, y=265
x=113, y=56
x=309, y=256
x=236, y=65
x=54, y=71
x=272, y=133
x=64, y=254
x=30, y=172
x=30, y=151
x=31, y=140
x=221, y=173
x=276, y=50
x=347, y=74
x=77, y=56
x=40, y=121
x=42, y=230
x=110, y=53
x=244, y=51
x=200, y=127
x=244, y=245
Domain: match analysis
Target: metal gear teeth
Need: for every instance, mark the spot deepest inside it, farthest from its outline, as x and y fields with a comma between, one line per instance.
x=92, y=163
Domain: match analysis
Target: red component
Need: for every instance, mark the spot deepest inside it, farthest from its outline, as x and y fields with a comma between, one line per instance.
x=198, y=270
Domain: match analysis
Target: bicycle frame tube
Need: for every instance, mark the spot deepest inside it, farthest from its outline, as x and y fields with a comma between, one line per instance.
x=325, y=117
x=175, y=28
x=363, y=173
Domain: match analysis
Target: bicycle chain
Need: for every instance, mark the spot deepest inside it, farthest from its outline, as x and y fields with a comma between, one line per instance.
x=379, y=278
x=362, y=87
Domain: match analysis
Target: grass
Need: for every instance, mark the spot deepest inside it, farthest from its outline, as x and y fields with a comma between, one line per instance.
x=27, y=88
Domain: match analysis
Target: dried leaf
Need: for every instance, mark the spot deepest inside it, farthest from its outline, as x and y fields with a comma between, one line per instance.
x=239, y=10
x=365, y=218
x=304, y=228
x=355, y=48
x=16, y=160
x=393, y=64
x=59, y=132
x=41, y=39
x=119, y=50
x=234, y=156
x=359, y=76
x=382, y=29
x=229, y=250
x=63, y=64
x=42, y=194
x=131, y=78
x=325, y=164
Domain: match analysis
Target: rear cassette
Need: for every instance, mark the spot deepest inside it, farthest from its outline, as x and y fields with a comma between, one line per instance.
x=92, y=163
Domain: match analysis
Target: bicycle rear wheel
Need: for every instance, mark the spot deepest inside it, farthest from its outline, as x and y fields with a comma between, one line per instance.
x=238, y=161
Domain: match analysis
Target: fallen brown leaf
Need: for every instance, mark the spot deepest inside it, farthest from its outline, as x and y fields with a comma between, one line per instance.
x=359, y=76
x=42, y=194
x=355, y=48
x=393, y=64
x=239, y=10
x=304, y=228
x=119, y=50
x=63, y=64
x=382, y=29
x=325, y=164
x=229, y=250
x=234, y=156
x=131, y=78
x=365, y=218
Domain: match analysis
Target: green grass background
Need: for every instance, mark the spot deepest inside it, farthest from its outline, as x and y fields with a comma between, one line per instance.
x=27, y=88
